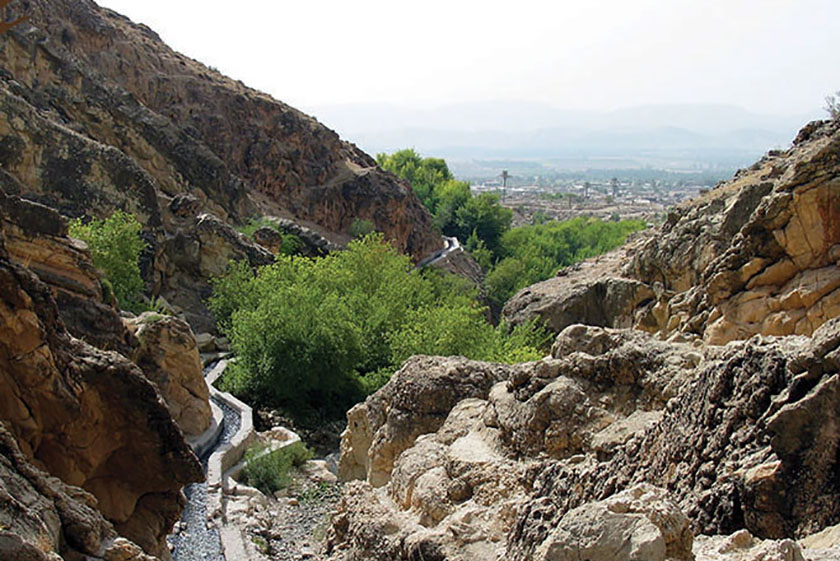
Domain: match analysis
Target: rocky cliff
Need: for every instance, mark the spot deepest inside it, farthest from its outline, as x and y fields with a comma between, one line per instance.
x=688, y=409
x=97, y=113
x=757, y=255
x=89, y=418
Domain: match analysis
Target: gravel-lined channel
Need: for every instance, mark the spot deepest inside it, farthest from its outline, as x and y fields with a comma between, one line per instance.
x=193, y=540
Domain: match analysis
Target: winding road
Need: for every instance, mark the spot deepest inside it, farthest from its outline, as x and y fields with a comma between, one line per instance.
x=451, y=244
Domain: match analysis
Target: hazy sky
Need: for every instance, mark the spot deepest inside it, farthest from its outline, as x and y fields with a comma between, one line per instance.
x=777, y=56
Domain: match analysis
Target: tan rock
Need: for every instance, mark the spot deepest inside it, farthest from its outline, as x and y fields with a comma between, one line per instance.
x=168, y=355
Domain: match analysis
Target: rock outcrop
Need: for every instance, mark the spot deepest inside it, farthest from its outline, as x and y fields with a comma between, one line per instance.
x=87, y=417
x=193, y=130
x=168, y=356
x=756, y=255
x=43, y=519
x=729, y=433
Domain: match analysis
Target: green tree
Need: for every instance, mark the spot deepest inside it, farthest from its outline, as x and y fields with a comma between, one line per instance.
x=315, y=334
x=484, y=215
x=115, y=245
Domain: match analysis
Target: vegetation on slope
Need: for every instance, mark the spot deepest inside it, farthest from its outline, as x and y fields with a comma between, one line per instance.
x=530, y=254
x=513, y=259
x=115, y=245
x=316, y=335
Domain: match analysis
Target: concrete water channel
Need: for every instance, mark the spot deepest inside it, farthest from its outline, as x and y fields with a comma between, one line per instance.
x=197, y=539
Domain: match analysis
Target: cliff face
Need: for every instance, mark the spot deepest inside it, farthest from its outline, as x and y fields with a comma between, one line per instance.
x=87, y=417
x=756, y=255
x=97, y=114
x=195, y=130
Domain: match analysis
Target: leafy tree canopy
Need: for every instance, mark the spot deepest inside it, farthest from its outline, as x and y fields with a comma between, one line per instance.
x=115, y=245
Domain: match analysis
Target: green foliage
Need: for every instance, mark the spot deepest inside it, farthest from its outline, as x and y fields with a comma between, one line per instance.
x=424, y=174
x=361, y=228
x=115, y=245
x=290, y=245
x=272, y=470
x=483, y=215
x=255, y=224
x=530, y=254
x=456, y=211
x=320, y=333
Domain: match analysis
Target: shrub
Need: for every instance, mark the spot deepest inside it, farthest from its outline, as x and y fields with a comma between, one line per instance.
x=270, y=471
x=316, y=335
x=361, y=228
x=115, y=247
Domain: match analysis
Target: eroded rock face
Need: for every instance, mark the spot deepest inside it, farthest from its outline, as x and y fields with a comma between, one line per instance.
x=88, y=417
x=387, y=423
x=195, y=131
x=731, y=433
x=43, y=519
x=756, y=255
x=36, y=236
x=168, y=356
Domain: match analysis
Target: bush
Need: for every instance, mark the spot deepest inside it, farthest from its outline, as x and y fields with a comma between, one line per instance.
x=361, y=228
x=316, y=335
x=115, y=247
x=290, y=245
x=270, y=471
x=530, y=254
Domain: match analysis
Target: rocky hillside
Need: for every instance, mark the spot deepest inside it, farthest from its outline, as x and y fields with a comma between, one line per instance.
x=710, y=431
x=756, y=255
x=97, y=113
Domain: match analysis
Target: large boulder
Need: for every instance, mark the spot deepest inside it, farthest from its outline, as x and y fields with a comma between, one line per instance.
x=168, y=356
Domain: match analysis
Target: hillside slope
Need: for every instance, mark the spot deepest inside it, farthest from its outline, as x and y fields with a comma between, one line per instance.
x=97, y=113
x=712, y=436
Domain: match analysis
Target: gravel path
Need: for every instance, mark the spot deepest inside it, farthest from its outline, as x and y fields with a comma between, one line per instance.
x=293, y=528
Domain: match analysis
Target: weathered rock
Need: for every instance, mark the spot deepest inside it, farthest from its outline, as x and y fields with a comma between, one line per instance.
x=168, y=356
x=592, y=293
x=87, y=416
x=639, y=524
x=757, y=255
x=731, y=432
x=196, y=131
x=43, y=519
x=415, y=401
x=36, y=236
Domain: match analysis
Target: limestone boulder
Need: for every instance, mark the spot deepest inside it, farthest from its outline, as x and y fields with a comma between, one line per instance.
x=416, y=401
x=593, y=293
x=168, y=356
x=639, y=524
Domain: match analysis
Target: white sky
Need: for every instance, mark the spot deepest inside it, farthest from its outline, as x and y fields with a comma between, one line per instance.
x=775, y=56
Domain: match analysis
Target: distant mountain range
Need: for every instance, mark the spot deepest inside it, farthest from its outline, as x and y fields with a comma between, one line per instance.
x=704, y=134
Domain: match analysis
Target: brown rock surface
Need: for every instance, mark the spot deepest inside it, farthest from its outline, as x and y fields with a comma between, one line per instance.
x=195, y=131
x=87, y=416
x=756, y=255
x=43, y=519
x=168, y=356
